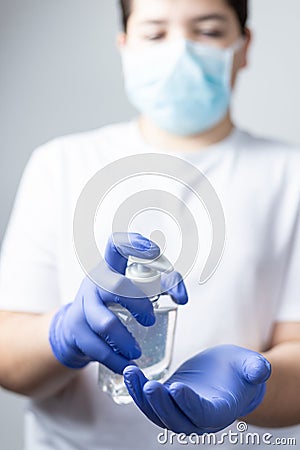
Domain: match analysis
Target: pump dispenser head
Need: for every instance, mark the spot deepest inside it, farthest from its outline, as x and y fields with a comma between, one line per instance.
x=146, y=274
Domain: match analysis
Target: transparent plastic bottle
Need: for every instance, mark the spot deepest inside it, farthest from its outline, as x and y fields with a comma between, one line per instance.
x=156, y=342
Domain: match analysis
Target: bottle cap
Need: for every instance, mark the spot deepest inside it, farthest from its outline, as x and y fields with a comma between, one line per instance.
x=146, y=273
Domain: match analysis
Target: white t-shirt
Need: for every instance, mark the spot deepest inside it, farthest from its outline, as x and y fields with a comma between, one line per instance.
x=255, y=284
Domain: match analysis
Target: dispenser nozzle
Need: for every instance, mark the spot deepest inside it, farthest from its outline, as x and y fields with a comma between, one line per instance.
x=160, y=264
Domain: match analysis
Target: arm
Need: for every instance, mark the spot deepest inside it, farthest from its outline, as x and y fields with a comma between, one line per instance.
x=28, y=366
x=41, y=353
x=82, y=331
x=281, y=405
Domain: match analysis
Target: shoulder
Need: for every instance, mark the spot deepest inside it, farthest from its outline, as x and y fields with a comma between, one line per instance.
x=73, y=159
x=273, y=168
x=83, y=145
x=270, y=158
x=258, y=146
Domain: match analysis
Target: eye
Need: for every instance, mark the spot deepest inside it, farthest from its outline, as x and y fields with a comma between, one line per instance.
x=214, y=34
x=154, y=37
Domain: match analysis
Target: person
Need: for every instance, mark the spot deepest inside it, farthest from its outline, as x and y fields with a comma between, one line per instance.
x=181, y=61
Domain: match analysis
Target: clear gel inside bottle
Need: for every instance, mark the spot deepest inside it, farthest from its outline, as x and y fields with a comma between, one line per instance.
x=156, y=342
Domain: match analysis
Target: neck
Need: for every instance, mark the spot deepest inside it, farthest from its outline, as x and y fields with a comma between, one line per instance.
x=161, y=139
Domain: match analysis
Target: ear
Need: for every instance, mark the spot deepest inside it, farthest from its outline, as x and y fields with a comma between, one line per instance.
x=121, y=40
x=245, y=51
x=241, y=57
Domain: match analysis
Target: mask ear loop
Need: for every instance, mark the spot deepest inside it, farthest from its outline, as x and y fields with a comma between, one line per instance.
x=228, y=68
x=238, y=45
x=231, y=52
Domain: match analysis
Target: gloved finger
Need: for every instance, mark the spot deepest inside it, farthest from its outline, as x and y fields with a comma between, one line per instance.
x=122, y=245
x=173, y=284
x=104, y=322
x=132, y=298
x=116, y=288
x=90, y=344
x=256, y=369
x=166, y=409
x=209, y=414
x=135, y=380
x=260, y=391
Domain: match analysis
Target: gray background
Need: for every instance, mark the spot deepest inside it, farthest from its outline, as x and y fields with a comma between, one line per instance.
x=60, y=73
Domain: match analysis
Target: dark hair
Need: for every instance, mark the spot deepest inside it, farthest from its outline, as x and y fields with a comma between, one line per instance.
x=239, y=6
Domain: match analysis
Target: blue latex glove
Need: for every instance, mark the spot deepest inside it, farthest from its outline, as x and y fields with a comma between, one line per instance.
x=206, y=394
x=86, y=330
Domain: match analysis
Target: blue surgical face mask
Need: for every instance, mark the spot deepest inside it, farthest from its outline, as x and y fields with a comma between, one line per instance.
x=184, y=87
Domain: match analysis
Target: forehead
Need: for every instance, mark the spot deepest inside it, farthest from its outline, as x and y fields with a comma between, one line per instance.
x=181, y=9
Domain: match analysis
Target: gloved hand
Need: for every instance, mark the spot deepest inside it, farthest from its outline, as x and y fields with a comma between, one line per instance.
x=206, y=394
x=86, y=330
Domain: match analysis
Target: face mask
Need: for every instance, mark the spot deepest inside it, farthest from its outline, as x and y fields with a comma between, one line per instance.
x=182, y=86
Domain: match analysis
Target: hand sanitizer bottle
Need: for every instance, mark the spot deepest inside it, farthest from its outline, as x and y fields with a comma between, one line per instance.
x=156, y=341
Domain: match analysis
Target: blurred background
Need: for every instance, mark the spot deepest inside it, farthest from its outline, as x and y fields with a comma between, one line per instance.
x=60, y=73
